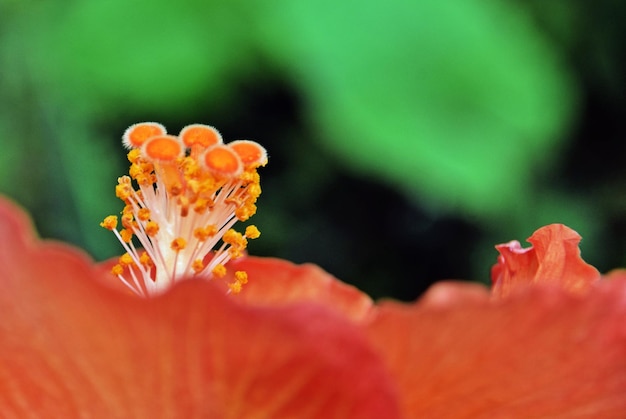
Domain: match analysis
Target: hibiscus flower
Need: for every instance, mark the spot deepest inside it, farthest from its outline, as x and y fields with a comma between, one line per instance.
x=551, y=347
x=72, y=347
x=223, y=335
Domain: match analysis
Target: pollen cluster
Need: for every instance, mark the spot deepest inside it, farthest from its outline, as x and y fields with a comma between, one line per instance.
x=182, y=197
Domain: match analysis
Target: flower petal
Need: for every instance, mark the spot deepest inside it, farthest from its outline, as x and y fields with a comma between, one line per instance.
x=70, y=347
x=539, y=353
x=554, y=258
x=614, y=274
x=276, y=281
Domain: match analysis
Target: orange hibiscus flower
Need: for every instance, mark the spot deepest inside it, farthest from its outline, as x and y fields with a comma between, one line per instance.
x=296, y=343
x=71, y=347
x=553, y=345
x=189, y=336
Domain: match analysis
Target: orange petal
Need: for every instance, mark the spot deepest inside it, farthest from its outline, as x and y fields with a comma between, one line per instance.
x=554, y=258
x=615, y=274
x=70, y=347
x=541, y=353
x=278, y=282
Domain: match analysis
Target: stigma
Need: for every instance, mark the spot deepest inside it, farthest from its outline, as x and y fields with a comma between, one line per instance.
x=182, y=197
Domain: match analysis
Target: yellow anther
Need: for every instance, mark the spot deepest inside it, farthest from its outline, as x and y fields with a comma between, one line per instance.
x=190, y=168
x=173, y=186
x=110, y=222
x=201, y=205
x=143, y=214
x=209, y=184
x=127, y=235
x=197, y=265
x=145, y=260
x=128, y=220
x=200, y=135
x=136, y=135
x=144, y=180
x=250, y=176
x=241, y=277
x=152, y=228
x=178, y=244
x=222, y=161
x=117, y=270
x=164, y=148
x=237, y=243
x=125, y=260
x=232, y=237
x=134, y=155
x=235, y=287
x=250, y=153
x=203, y=233
x=254, y=190
x=123, y=190
x=252, y=232
x=219, y=270
x=141, y=172
x=135, y=171
x=245, y=211
x=193, y=186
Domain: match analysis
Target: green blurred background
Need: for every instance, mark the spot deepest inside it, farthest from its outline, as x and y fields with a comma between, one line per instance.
x=406, y=138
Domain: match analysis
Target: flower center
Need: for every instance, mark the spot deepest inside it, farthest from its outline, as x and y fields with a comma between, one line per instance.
x=182, y=198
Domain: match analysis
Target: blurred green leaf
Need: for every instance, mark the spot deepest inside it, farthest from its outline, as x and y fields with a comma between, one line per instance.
x=459, y=100
x=12, y=154
x=89, y=167
x=151, y=54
